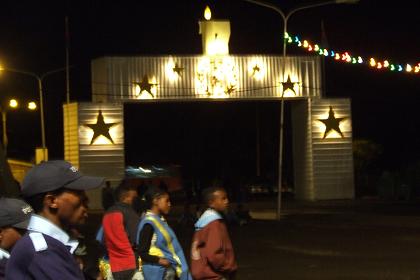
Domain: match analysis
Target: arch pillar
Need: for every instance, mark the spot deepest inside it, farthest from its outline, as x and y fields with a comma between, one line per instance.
x=94, y=142
x=322, y=149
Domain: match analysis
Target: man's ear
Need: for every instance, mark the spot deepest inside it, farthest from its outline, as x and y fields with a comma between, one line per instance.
x=50, y=201
x=210, y=203
x=155, y=201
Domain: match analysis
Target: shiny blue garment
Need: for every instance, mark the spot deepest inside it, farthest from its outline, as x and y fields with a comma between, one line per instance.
x=166, y=246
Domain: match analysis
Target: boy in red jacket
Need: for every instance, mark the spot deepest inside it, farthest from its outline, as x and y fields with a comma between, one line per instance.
x=212, y=255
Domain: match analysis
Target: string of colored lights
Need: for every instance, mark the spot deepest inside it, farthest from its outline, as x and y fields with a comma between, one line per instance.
x=347, y=57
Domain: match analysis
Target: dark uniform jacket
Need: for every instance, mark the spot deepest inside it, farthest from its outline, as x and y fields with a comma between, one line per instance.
x=4, y=256
x=44, y=252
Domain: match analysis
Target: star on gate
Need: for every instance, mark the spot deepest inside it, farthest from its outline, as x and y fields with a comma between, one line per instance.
x=255, y=69
x=101, y=128
x=144, y=85
x=177, y=69
x=288, y=85
x=332, y=123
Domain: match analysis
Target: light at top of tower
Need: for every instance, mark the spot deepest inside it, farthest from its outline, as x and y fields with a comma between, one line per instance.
x=207, y=13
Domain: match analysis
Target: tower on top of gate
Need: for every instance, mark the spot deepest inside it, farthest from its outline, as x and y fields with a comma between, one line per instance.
x=215, y=34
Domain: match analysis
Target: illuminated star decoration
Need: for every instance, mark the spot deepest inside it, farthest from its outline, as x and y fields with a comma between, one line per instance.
x=255, y=69
x=145, y=85
x=230, y=89
x=332, y=123
x=177, y=69
x=101, y=128
x=214, y=80
x=288, y=85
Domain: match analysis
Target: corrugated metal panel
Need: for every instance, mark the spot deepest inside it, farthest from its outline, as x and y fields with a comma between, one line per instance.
x=100, y=76
x=71, y=136
x=302, y=150
x=332, y=155
x=247, y=77
x=102, y=158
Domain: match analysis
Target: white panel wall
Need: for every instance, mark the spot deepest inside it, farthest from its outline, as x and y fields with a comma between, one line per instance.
x=113, y=78
x=302, y=151
x=323, y=166
x=332, y=156
x=102, y=157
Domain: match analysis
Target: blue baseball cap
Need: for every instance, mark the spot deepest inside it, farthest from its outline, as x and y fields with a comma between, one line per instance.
x=55, y=174
x=14, y=213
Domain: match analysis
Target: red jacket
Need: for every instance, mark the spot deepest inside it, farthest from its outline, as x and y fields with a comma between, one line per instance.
x=212, y=255
x=120, y=226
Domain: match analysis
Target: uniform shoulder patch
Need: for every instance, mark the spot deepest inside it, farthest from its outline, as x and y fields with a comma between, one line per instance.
x=39, y=242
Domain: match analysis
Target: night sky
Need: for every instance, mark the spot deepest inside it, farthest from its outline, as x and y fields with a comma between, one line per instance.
x=384, y=105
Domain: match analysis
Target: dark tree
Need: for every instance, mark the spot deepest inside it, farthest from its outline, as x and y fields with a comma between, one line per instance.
x=8, y=185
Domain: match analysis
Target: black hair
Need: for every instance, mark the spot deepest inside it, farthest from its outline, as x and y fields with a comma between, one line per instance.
x=122, y=189
x=37, y=201
x=151, y=193
x=208, y=194
x=21, y=231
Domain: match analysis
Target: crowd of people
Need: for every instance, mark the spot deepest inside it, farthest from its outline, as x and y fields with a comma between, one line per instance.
x=39, y=236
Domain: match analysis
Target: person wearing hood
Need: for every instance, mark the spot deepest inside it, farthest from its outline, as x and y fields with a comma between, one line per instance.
x=212, y=255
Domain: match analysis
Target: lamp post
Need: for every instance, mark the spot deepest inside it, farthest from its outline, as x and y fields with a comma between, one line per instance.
x=285, y=18
x=12, y=104
x=39, y=79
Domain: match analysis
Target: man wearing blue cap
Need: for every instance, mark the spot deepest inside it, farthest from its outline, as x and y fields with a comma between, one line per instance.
x=14, y=220
x=56, y=191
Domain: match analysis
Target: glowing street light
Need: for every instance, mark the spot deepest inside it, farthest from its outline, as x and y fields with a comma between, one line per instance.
x=39, y=79
x=12, y=104
x=285, y=18
x=32, y=106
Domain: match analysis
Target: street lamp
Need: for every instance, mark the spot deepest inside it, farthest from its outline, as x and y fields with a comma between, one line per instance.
x=285, y=18
x=4, y=108
x=39, y=79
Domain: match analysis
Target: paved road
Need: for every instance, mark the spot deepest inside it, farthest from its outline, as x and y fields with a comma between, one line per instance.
x=327, y=240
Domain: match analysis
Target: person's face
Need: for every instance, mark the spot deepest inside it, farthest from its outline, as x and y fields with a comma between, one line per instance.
x=71, y=207
x=130, y=196
x=163, y=204
x=8, y=237
x=220, y=201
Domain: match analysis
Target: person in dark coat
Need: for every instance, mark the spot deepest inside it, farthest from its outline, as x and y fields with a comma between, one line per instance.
x=107, y=196
x=119, y=229
x=14, y=220
x=212, y=255
x=56, y=191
